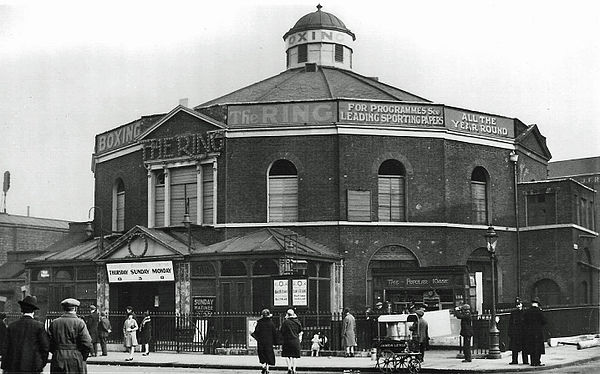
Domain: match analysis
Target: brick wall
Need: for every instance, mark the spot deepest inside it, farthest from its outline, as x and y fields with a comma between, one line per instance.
x=23, y=238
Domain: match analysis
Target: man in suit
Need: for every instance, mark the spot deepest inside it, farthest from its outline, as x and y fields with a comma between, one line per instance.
x=91, y=322
x=70, y=341
x=27, y=343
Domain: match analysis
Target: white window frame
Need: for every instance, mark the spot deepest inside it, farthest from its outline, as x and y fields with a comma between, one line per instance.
x=153, y=170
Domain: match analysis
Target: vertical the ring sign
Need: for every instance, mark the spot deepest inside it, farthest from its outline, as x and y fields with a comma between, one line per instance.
x=152, y=271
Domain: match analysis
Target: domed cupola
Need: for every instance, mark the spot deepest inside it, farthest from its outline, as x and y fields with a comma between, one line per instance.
x=320, y=38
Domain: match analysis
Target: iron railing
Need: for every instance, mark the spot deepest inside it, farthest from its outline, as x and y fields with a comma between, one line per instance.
x=206, y=333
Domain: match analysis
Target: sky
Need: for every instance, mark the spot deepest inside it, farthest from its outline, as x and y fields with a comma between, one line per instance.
x=72, y=69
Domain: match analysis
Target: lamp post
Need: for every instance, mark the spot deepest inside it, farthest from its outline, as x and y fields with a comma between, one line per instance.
x=514, y=158
x=188, y=224
x=91, y=231
x=492, y=239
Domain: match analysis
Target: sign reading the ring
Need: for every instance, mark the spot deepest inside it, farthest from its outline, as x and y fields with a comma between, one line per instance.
x=155, y=271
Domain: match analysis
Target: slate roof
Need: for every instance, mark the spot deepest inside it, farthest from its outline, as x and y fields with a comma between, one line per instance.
x=324, y=84
x=579, y=166
x=11, y=270
x=267, y=240
x=16, y=220
x=80, y=252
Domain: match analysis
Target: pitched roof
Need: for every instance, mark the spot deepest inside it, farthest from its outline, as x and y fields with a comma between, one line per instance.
x=324, y=84
x=267, y=240
x=578, y=166
x=80, y=252
x=16, y=220
x=10, y=270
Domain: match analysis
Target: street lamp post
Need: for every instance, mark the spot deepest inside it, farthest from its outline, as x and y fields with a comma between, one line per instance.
x=187, y=222
x=90, y=230
x=514, y=158
x=492, y=239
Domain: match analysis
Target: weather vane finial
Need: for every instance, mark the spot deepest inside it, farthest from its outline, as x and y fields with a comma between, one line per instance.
x=319, y=6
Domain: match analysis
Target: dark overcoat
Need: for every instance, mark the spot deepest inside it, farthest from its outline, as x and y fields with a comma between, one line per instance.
x=265, y=334
x=27, y=346
x=515, y=330
x=349, y=331
x=70, y=344
x=290, y=333
x=466, y=324
x=104, y=327
x=146, y=331
x=3, y=332
x=91, y=322
x=534, y=322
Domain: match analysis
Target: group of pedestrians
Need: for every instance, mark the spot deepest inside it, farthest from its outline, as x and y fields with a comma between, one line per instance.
x=525, y=332
x=26, y=344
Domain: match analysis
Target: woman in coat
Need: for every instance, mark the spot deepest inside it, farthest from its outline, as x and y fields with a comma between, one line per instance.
x=265, y=334
x=130, y=327
x=145, y=334
x=349, y=333
x=291, y=332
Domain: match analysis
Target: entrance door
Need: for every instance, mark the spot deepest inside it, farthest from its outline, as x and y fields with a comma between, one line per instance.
x=142, y=296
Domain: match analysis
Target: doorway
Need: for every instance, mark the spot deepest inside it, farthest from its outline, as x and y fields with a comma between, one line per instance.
x=142, y=296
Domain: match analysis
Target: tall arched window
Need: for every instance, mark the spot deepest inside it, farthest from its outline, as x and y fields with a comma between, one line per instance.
x=283, y=192
x=118, y=215
x=479, y=195
x=391, y=197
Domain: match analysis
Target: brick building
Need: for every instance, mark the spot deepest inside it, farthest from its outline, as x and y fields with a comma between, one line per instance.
x=321, y=188
x=22, y=238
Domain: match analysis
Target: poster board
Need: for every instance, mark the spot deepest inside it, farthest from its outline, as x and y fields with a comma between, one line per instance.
x=203, y=305
x=250, y=326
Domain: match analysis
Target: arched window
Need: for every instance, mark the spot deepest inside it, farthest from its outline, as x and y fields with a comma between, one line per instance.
x=283, y=192
x=391, y=197
x=479, y=195
x=547, y=291
x=118, y=215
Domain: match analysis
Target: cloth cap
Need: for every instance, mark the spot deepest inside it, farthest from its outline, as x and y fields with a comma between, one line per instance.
x=28, y=304
x=92, y=306
x=70, y=302
x=465, y=307
x=420, y=312
x=266, y=313
x=535, y=300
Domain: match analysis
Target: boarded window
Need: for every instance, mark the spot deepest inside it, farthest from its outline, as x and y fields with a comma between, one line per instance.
x=391, y=194
x=339, y=53
x=159, y=200
x=207, y=194
x=359, y=206
x=479, y=199
x=183, y=186
x=302, y=53
x=283, y=192
x=120, y=206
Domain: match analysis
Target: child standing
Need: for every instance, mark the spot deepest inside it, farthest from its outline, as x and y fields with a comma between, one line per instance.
x=316, y=344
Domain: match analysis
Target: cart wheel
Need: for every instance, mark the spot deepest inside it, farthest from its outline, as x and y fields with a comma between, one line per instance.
x=414, y=365
x=385, y=362
x=401, y=363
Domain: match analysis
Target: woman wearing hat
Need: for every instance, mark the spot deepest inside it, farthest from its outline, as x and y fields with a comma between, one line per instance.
x=265, y=334
x=130, y=328
x=291, y=331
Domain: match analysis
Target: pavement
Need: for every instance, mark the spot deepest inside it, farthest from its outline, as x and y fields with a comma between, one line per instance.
x=442, y=361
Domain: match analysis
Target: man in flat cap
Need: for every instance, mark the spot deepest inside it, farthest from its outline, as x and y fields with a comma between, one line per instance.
x=463, y=313
x=27, y=343
x=534, y=322
x=70, y=341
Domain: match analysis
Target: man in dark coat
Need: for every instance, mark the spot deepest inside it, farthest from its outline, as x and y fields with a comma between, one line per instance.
x=515, y=333
x=534, y=322
x=3, y=332
x=27, y=343
x=70, y=341
x=104, y=328
x=91, y=322
x=265, y=334
x=466, y=328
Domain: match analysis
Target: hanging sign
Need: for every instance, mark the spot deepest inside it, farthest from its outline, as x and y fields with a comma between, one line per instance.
x=155, y=271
